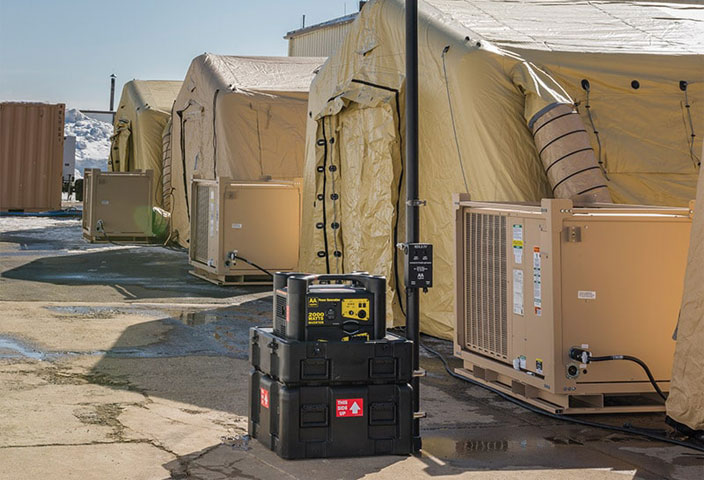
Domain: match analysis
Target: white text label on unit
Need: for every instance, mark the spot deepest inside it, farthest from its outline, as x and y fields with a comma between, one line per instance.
x=518, y=291
x=517, y=243
x=586, y=295
x=537, y=283
x=236, y=225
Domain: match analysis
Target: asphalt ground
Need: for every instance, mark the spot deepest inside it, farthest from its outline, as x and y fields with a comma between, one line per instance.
x=115, y=363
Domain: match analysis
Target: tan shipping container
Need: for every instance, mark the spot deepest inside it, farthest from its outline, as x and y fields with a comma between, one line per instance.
x=31, y=156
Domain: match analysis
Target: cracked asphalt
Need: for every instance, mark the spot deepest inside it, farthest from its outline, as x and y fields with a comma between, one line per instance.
x=117, y=364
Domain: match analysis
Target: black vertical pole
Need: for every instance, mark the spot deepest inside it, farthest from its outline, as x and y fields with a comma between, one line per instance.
x=411, y=169
x=112, y=92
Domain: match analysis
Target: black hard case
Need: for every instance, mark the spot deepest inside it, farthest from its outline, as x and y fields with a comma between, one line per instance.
x=302, y=421
x=388, y=360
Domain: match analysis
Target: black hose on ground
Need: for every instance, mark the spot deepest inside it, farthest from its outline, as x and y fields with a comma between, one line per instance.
x=565, y=418
x=254, y=265
x=634, y=360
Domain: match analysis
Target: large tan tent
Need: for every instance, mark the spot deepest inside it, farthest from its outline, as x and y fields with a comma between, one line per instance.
x=237, y=117
x=633, y=72
x=143, y=112
x=685, y=403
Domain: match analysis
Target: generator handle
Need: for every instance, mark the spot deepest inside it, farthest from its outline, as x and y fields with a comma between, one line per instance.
x=376, y=284
x=363, y=279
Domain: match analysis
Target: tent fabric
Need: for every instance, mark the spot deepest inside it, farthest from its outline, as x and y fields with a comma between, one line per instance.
x=143, y=111
x=685, y=403
x=487, y=68
x=238, y=117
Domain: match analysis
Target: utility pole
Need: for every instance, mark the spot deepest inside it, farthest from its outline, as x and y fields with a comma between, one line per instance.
x=412, y=202
x=112, y=92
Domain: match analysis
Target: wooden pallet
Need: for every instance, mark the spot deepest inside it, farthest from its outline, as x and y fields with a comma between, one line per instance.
x=126, y=239
x=29, y=210
x=229, y=280
x=568, y=404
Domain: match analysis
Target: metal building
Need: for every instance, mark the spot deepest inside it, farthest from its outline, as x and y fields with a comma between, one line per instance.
x=31, y=156
x=321, y=39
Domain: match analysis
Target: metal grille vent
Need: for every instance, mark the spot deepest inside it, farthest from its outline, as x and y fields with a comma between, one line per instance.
x=200, y=237
x=486, y=303
x=280, y=327
x=87, y=200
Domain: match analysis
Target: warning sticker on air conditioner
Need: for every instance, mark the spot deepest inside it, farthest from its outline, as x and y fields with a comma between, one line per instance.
x=349, y=407
x=264, y=397
x=537, y=283
x=517, y=243
x=518, y=291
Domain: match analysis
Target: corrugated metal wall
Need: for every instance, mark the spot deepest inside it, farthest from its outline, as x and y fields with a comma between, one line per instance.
x=31, y=156
x=318, y=43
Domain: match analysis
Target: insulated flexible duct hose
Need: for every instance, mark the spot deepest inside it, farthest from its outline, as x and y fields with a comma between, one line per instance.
x=567, y=156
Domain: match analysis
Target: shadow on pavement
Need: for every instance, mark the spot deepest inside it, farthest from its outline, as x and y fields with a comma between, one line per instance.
x=135, y=272
x=201, y=360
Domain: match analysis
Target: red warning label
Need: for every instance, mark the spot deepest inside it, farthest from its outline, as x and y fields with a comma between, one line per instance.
x=264, y=397
x=349, y=407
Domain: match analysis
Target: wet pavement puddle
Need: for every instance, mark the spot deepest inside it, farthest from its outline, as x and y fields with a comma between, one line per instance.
x=10, y=348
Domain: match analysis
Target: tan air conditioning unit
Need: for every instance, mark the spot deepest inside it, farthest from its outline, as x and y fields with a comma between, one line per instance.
x=537, y=282
x=117, y=206
x=237, y=226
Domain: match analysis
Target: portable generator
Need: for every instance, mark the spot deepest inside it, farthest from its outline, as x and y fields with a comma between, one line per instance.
x=313, y=308
x=327, y=380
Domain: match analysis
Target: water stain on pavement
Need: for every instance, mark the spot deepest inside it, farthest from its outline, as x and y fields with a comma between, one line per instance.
x=11, y=348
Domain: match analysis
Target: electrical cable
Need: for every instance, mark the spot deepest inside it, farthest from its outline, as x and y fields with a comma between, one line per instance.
x=171, y=214
x=333, y=171
x=585, y=356
x=324, y=200
x=452, y=118
x=400, y=184
x=215, y=134
x=587, y=88
x=254, y=265
x=397, y=212
x=159, y=181
x=182, y=144
x=578, y=421
x=634, y=360
x=695, y=159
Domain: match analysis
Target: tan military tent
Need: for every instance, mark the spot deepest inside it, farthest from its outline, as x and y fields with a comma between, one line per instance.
x=239, y=117
x=144, y=110
x=685, y=403
x=488, y=69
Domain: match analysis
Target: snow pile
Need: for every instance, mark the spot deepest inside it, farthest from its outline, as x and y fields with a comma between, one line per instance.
x=92, y=140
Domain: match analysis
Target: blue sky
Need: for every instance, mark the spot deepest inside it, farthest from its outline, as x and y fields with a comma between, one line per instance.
x=64, y=51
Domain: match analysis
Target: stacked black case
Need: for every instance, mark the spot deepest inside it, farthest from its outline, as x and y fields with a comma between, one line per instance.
x=316, y=399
